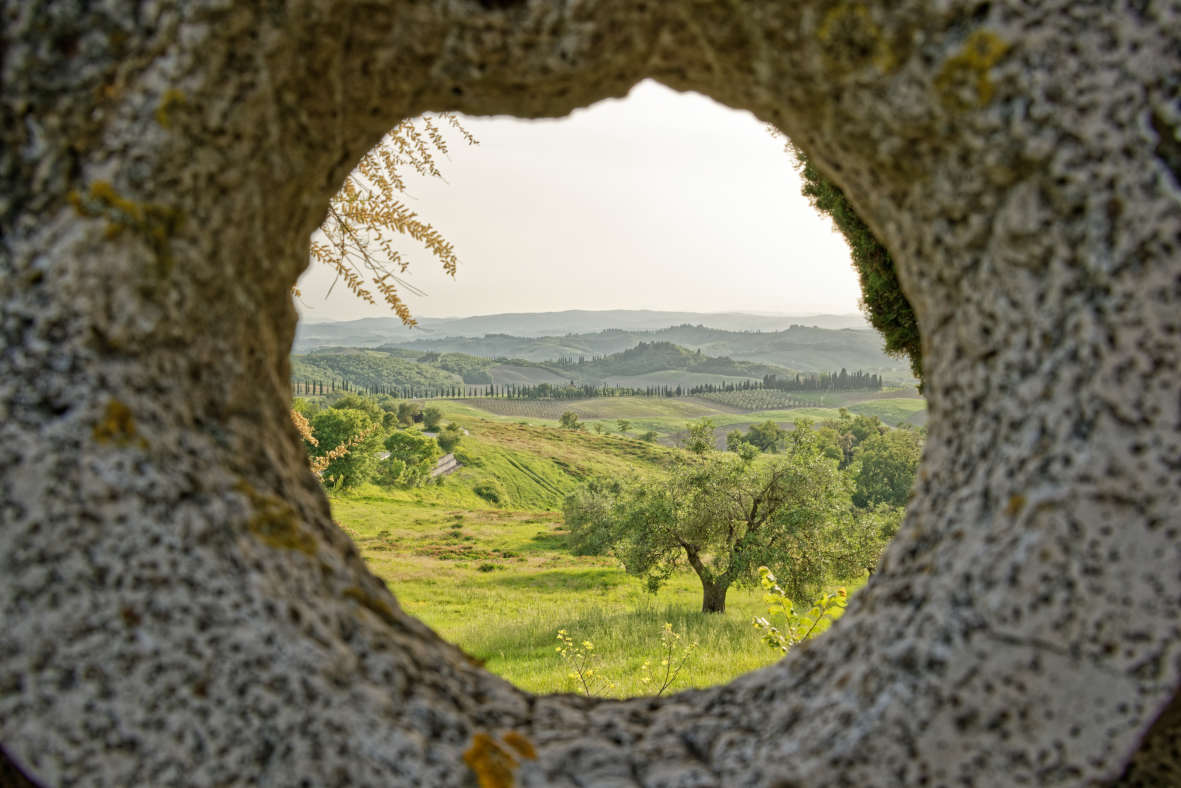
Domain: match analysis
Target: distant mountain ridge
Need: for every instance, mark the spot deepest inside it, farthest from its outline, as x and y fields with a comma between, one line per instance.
x=374, y=331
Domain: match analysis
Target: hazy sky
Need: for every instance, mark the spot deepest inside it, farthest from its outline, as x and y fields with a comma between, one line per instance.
x=661, y=200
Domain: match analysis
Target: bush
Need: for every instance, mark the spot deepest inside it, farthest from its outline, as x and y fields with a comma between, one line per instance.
x=448, y=440
x=492, y=490
x=431, y=418
x=649, y=436
x=487, y=568
x=334, y=427
x=569, y=421
x=412, y=458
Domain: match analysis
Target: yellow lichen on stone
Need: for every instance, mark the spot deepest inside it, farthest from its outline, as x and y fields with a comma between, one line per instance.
x=522, y=745
x=155, y=224
x=172, y=99
x=967, y=71
x=851, y=40
x=492, y=763
x=117, y=426
x=275, y=523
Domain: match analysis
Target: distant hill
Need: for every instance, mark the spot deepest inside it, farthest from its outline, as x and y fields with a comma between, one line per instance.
x=799, y=348
x=649, y=357
x=374, y=331
x=372, y=370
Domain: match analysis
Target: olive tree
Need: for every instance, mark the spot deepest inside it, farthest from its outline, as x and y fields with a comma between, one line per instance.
x=725, y=516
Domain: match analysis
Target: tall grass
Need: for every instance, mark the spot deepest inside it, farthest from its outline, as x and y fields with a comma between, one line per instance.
x=519, y=644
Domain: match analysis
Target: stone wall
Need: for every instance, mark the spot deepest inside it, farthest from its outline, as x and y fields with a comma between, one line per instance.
x=176, y=606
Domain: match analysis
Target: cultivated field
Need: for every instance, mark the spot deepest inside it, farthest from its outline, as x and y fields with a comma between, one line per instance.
x=526, y=376
x=759, y=399
x=673, y=378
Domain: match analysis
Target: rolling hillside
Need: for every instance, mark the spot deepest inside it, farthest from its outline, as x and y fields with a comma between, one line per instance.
x=799, y=348
x=369, y=369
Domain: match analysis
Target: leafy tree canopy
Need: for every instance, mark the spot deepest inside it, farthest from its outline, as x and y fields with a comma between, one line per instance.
x=767, y=437
x=699, y=436
x=432, y=416
x=333, y=427
x=412, y=458
x=887, y=467
x=726, y=516
x=366, y=404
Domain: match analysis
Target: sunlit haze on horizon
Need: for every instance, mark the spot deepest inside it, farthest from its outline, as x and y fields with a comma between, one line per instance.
x=662, y=201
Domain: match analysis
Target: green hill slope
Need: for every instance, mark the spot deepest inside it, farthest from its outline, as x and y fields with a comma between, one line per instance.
x=369, y=369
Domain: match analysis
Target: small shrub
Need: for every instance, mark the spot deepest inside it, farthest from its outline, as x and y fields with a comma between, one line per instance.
x=649, y=436
x=486, y=568
x=448, y=440
x=491, y=490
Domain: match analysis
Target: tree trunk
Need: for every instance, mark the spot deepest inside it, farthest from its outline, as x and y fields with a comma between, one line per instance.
x=177, y=607
x=713, y=597
x=713, y=592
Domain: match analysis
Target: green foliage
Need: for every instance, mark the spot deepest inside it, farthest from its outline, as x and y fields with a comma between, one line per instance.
x=407, y=411
x=624, y=426
x=881, y=294
x=412, y=458
x=366, y=404
x=648, y=437
x=569, y=421
x=839, y=438
x=448, y=440
x=333, y=427
x=888, y=464
x=728, y=515
x=699, y=438
x=492, y=491
x=586, y=510
x=797, y=628
x=766, y=437
x=432, y=416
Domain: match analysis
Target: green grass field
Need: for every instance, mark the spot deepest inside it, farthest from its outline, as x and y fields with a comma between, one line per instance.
x=498, y=581
x=500, y=584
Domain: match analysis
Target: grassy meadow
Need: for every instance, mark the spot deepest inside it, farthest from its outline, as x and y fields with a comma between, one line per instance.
x=497, y=579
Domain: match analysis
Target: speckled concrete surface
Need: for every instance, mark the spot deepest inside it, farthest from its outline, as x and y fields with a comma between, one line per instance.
x=176, y=607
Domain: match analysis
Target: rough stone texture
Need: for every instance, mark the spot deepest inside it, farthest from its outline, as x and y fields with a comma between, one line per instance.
x=176, y=607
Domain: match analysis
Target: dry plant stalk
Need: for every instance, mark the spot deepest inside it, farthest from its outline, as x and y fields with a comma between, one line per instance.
x=365, y=214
